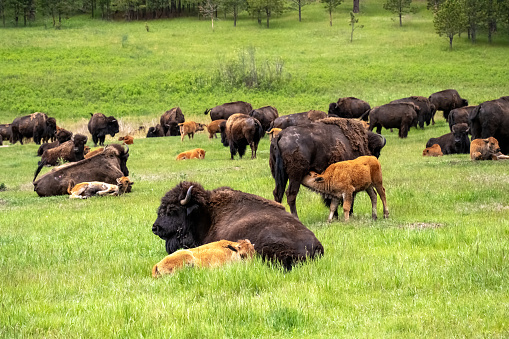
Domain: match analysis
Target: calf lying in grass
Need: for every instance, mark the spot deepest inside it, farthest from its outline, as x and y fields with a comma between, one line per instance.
x=212, y=254
x=340, y=181
x=486, y=149
x=85, y=190
x=196, y=153
x=432, y=151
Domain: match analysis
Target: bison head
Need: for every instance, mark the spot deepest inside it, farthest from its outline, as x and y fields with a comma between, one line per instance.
x=332, y=110
x=224, y=139
x=63, y=135
x=492, y=144
x=51, y=126
x=112, y=124
x=460, y=132
x=79, y=146
x=121, y=153
x=183, y=219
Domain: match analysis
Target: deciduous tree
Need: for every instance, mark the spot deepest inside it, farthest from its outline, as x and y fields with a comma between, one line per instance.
x=353, y=21
x=330, y=5
x=450, y=19
x=399, y=7
x=298, y=4
x=269, y=7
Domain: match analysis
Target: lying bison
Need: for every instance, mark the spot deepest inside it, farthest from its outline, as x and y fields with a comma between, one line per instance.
x=400, y=115
x=447, y=100
x=100, y=125
x=298, y=150
x=224, y=111
x=426, y=111
x=491, y=119
x=35, y=125
x=295, y=119
x=239, y=131
x=106, y=167
x=190, y=216
x=265, y=115
x=155, y=132
x=62, y=136
x=486, y=149
x=169, y=121
x=349, y=107
x=456, y=142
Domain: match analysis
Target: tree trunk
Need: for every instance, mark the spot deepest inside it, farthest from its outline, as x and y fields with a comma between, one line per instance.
x=235, y=15
x=268, y=16
x=212, y=19
x=330, y=17
x=356, y=6
x=259, y=17
x=300, y=10
x=400, y=23
x=450, y=41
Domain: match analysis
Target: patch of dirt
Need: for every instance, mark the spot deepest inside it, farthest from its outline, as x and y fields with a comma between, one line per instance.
x=421, y=225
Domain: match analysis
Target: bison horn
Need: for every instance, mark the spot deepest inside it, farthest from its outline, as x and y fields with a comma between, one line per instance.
x=384, y=141
x=127, y=151
x=186, y=200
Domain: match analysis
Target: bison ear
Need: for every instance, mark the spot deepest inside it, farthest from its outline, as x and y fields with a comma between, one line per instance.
x=319, y=179
x=232, y=248
x=486, y=140
x=191, y=209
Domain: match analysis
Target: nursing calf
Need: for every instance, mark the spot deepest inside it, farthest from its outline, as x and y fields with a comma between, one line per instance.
x=341, y=180
x=86, y=190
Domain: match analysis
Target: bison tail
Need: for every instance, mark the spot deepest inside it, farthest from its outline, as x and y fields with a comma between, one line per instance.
x=39, y=167
x=207, y=110
x=365, y=115
x=260, y=133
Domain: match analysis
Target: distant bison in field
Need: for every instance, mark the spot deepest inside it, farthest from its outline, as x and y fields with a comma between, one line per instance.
x=224, y=111
x=169, y=121
x=156, y=131
x=447, y=100
x=242, y=130
x=295, y=119
x=460, y=116
x=189, y=128
x=63, y=135
x=400, y=115
x=426, y=111
x=128, y=139
x=432, y=151
x=36, y=126
x=491, y=119
x=215, y=127
x=349, y=108
x=100, y=125
x=265, y=115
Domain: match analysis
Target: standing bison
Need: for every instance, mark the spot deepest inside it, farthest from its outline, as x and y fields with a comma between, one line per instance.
x=190, y=216
x=456, y=142
x=100, y=125
x=295, y=119
x=298, y=150
x=239, y=131
x=447, y=100
x=265, y=115
x=460, y=116
x=169, y=121
x=35, y=125
x=349, y=107
x=491, y=119
x=5, y=131
x=401, y=115
x=426, y=109
x=224, y=111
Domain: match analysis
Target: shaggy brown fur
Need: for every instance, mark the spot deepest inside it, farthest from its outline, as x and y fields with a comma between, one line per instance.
x=214, y=128
x=196, y=153
x=169, y=121
x=214, y=254
x=242, y=130
x=432, y=151
x=86, y=190
x=189, y=128
x=342, y=180
x=486, y=149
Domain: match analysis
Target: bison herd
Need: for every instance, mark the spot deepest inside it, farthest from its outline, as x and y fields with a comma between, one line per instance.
x=334, y=154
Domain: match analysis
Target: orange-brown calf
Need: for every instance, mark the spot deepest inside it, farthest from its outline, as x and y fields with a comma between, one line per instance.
x=214, y=128
x=274, y=132
x=94, y=152
x=189, y=128
x=196, y=153
x=432, y=151
x=486, y=149
x=128, y=139
x=89, y=189
x=209, y=255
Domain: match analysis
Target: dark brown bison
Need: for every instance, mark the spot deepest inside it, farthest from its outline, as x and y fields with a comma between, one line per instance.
x=62, y=136
x=239, y=131
x=265, y=115
x=100, y=125
x=35, y=125
x=295, y=119
x=447, y=100
x=298, y=150
x=491, y=119
x=401, y=115
x=5, y=131
x=459, y=116
x=426, y=109
x=169, y=121
x=155, y=132
x=456, y=142
x=69, y=151
x=105, y=167
x=224, y=111
x=190, y=216
x=349, y=107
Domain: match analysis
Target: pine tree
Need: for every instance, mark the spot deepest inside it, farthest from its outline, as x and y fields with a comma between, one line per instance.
x=399, y=7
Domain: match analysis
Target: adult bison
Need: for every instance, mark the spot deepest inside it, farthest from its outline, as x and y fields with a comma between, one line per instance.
x=35, y=125
x=156, y=131
x=169, y=121
x=297, y=150
x=491, y=119
x=190, y=216
x=459, y=116
x=349, y=108
x=5, y=131
x=224, y=111
x=426, y=109
x=402, y=115
x=105, y=167
x=456, y=142
x=447, y=100
x=100, y=125
x=265, y=115
x=295, y=119
x=239, y=131
x=62, y=136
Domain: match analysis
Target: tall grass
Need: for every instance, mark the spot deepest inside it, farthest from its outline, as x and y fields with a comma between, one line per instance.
x=436, y=268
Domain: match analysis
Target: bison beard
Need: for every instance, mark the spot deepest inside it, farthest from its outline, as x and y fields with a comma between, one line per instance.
x=190, y=216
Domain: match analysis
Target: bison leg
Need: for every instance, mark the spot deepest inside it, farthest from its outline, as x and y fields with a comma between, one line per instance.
x=380, y=189
x=254, y=147
x=347, y=204
x=372, y=196
x=101, y=140
x=291, y=196
x=333, y=208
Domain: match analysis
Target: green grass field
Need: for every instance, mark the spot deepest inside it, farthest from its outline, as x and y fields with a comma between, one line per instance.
x=438, y=267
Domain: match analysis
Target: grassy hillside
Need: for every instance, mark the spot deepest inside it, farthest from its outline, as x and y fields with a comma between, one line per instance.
x=438, y=267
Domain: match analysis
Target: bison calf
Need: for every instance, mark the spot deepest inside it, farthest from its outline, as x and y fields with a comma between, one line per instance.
x=456, y=142
x=343, y=179
x=486, y=149
x=432, y=151
x=189, y=128
x=196, y=153
x=213, y=254
x=214, y=127
x=86, y=190
x=128, y=139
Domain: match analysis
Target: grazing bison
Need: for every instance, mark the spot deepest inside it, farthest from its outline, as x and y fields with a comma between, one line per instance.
x=342, y=180
x=456, y=142
x=35, y=125
x=85, y=190
x=169, y=121
x=447, y=100
x=298, y=150
x=432, y=151
x=349, y=108
x=486, y=149
x=491, y=119
x=189, y=128
x=214, y=127
x=401, y=115
x=105, y=167
x=190, y=216
x=217, y=253
x=426, y=109
x=100, y=125
x=265, y=115
x=63, y=135
x=460, y=116
x=242, y=130
x=295, y=119
x=155, y=132
x=224, y=111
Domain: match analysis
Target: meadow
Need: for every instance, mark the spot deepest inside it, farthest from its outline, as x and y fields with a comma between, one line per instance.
x=438, y=267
